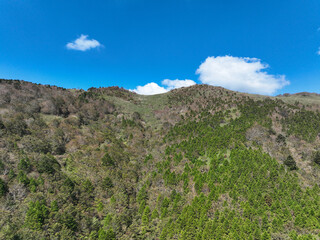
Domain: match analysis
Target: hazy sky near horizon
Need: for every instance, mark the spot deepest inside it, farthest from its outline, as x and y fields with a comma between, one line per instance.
x=267, y=47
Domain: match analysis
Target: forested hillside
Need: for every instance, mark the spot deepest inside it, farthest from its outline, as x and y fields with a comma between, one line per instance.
x=200, y=162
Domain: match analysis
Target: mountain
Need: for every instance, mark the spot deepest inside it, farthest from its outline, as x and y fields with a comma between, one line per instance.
x=201, y=162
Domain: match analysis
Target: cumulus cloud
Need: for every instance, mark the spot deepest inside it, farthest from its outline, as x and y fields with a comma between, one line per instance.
x=318, y=51
x=240, y=74
x=172, y=84
x=149, y=89
x=83, y=43
x=153, y=88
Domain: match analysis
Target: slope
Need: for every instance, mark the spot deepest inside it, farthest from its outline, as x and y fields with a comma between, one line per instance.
x=196, y=163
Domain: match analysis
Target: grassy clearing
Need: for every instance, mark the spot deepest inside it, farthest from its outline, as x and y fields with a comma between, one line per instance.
x=310, y=99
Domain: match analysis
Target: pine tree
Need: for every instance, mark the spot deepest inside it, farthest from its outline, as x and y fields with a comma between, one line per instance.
x=3, y=188
x=291, y=163
x=154, y=214
x=146, y=216
x=107, y=160
x=316, y=157
x=36, y=215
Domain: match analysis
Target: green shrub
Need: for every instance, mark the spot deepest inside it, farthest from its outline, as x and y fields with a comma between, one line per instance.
x=1, y=166
x=2, y=126
x=68, y=185
x=69, y=221
x=54, y=206
x=106, y=235
x=107, y=160
x=36, y=214
x=33, y=185
x=3, y=188
x=281, y=139
x=35, y=144
x=58, y=143
x=154, y=214
x=316, y=157
x=142, y=194
x=146, y=216
x=87, y=186
x=47, y=164
x=22, y=177
x=11, y=174
x=17, y=125
x=107, y=183
x=24, y=164
x=290, y=163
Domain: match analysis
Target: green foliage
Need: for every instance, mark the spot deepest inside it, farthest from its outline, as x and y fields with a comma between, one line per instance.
x=54, y=206
x=2, y=166
x=107, y=160
x=290, y=163
x=68, y=184
x=36, y=215
x=281, y=139
x=88, y=187
x=17, y=125
x=316, y=157
x=142, y=194
x=58, y=142
x=107, y=183
x=22, y=177
x=304, y=124
x=2, y=126
x=148, y=158
x=142, y=206
x=246, y=174
x=107, y=220
x=33, y=185
x=33, y=143
x=154, y=214
x=24, y=164
x=68, y=221
x=99, y=206
x=146, y=216
x=11, y=174
x=198, y=176
x=3, y=188
x=47, y=164
x=106, y=235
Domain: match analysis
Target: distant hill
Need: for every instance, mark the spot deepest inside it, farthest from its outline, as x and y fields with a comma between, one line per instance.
x=201, y=162
x=306, y=98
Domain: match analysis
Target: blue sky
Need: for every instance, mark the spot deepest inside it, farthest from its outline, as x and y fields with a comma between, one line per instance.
x=139, y=42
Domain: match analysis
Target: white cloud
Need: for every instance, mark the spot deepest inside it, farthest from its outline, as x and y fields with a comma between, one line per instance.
x=149, y=89
x=318, y=51
x=240, y=74
x=83, y=43
x=172, y=84
x=153, y=88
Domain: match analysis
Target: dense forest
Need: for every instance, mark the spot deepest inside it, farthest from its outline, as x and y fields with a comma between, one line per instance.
x=200, y=163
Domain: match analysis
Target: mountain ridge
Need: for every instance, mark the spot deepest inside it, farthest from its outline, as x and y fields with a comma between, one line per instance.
x=201, y=162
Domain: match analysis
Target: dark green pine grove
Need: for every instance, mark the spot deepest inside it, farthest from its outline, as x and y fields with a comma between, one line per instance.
x=195, y=163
